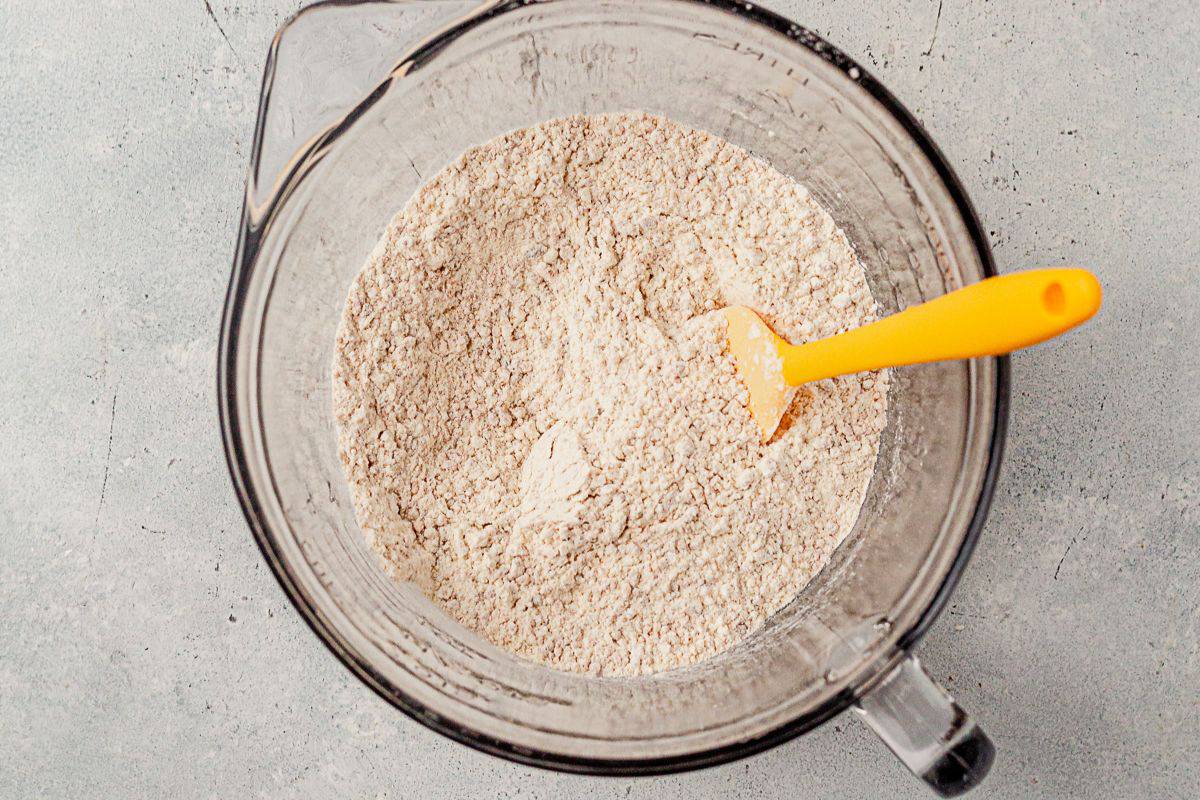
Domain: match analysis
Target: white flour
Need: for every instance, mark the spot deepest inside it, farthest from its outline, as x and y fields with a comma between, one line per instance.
x=537, y=417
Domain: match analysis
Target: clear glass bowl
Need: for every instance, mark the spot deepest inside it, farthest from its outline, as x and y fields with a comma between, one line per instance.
x=360, y=103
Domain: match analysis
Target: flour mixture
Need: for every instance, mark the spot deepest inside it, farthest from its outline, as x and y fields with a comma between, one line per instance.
x=538, y=419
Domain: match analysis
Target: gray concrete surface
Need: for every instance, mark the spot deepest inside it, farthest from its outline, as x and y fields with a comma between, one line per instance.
x=146, y=651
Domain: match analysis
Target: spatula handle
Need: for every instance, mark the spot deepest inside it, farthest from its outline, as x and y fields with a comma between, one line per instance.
x=992, y=317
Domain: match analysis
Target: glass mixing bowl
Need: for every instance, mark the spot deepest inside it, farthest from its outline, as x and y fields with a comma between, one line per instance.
x=360, y=103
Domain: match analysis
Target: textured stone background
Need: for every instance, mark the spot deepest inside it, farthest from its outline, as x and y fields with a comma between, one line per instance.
x=145, y=650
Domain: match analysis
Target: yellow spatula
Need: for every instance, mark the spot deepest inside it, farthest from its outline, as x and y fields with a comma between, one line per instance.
x=992, y=317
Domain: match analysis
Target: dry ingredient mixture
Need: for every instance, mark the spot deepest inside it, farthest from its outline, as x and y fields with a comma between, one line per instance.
x=538, y=419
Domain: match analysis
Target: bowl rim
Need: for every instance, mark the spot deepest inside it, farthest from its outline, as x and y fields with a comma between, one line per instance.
x=249, y=238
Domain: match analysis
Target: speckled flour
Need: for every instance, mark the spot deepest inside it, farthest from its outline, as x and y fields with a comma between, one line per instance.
x=538, y=420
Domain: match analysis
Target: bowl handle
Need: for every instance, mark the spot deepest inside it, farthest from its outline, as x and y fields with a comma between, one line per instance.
x=927, y=730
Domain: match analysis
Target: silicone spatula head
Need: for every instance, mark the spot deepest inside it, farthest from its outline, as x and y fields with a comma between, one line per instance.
x=758, y=355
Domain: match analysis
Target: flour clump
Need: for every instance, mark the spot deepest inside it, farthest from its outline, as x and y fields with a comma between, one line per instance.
x=539, y=422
